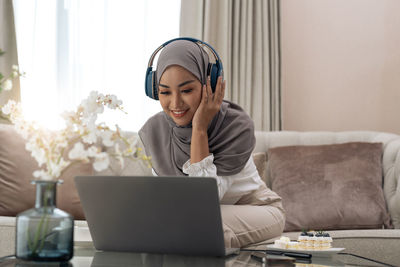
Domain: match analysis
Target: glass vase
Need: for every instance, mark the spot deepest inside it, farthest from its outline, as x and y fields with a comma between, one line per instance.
x=44, y=233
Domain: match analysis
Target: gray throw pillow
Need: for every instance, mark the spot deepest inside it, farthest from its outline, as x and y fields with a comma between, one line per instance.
x=326, y=187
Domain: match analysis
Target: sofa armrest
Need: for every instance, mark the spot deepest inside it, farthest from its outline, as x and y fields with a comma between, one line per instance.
x=391, y=186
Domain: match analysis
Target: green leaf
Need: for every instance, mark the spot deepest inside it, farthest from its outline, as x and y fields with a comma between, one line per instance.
x=1, y=76
x=2, y=52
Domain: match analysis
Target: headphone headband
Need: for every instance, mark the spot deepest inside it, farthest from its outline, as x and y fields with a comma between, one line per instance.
x=150, y=64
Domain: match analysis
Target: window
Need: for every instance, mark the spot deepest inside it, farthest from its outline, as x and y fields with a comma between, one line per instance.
x=71, y=47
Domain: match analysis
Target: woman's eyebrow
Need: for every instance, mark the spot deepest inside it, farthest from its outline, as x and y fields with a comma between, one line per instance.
x=179, y=85
x=163, y=85
x=184, y=83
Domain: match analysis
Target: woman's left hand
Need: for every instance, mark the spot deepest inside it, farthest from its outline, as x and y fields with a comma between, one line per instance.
x=209, y=105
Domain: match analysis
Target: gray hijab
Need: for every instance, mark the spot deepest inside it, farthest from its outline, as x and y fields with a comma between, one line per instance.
x=230, y=134
x=186, y=54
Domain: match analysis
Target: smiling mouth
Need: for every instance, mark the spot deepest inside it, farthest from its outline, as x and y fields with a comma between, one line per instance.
x=179, y=113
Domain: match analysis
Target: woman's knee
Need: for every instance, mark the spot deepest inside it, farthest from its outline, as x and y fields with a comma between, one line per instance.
x=244, y=225
x=280, y=219
x=230, y=238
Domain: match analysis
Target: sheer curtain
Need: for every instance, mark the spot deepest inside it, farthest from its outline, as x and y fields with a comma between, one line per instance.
x=9, y=46
x=70, y=47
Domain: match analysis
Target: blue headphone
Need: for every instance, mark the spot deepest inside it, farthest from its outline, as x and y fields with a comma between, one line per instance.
x=214, y=70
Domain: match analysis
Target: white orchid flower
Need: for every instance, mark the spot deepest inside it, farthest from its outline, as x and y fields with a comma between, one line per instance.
x=36, y=151
x=43, y=175
x=8, y=108
x=91, y=105
x=90, y=133
x=78, y=152
x=112, y=101
x=8, y=85
x=12, y=109
x=89, y=121
x=90, y=138
x=101, y=161
x=22, y=128
x=131, y=148
x=107, y=138
x=92, y=151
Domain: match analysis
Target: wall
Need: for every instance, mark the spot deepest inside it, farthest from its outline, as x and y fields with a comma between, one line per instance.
x=340, y=65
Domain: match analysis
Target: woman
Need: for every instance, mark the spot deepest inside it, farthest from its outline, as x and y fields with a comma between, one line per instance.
x=200, y=134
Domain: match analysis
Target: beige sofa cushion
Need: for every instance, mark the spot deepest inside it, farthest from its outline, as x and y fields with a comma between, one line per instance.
x=390, y=160
x=16, y=167
x=330, y=186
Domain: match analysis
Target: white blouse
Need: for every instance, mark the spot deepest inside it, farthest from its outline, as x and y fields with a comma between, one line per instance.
x=231, y=188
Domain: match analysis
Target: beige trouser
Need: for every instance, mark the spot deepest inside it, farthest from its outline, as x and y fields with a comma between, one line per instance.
x=255, y=217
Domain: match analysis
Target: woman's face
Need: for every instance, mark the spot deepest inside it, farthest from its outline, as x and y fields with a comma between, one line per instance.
x=179, y=94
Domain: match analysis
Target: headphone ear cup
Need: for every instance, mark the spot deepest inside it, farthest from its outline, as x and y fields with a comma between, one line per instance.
x=150, y=85
x=155, y=88
x=213, y=73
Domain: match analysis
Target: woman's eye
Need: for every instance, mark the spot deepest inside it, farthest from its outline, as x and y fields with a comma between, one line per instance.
x=164, y=93
x=187, y=90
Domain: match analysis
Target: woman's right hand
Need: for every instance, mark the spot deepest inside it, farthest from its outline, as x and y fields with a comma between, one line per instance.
x=209, y=105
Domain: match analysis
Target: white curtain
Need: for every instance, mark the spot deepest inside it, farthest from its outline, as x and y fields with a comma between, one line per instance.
x=245, y=34
x=70, y=47
x=9, y=46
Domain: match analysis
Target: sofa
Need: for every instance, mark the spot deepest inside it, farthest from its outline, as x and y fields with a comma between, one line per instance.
x=379, y=161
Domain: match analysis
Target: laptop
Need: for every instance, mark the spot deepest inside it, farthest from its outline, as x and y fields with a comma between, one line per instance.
x=174, y=215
